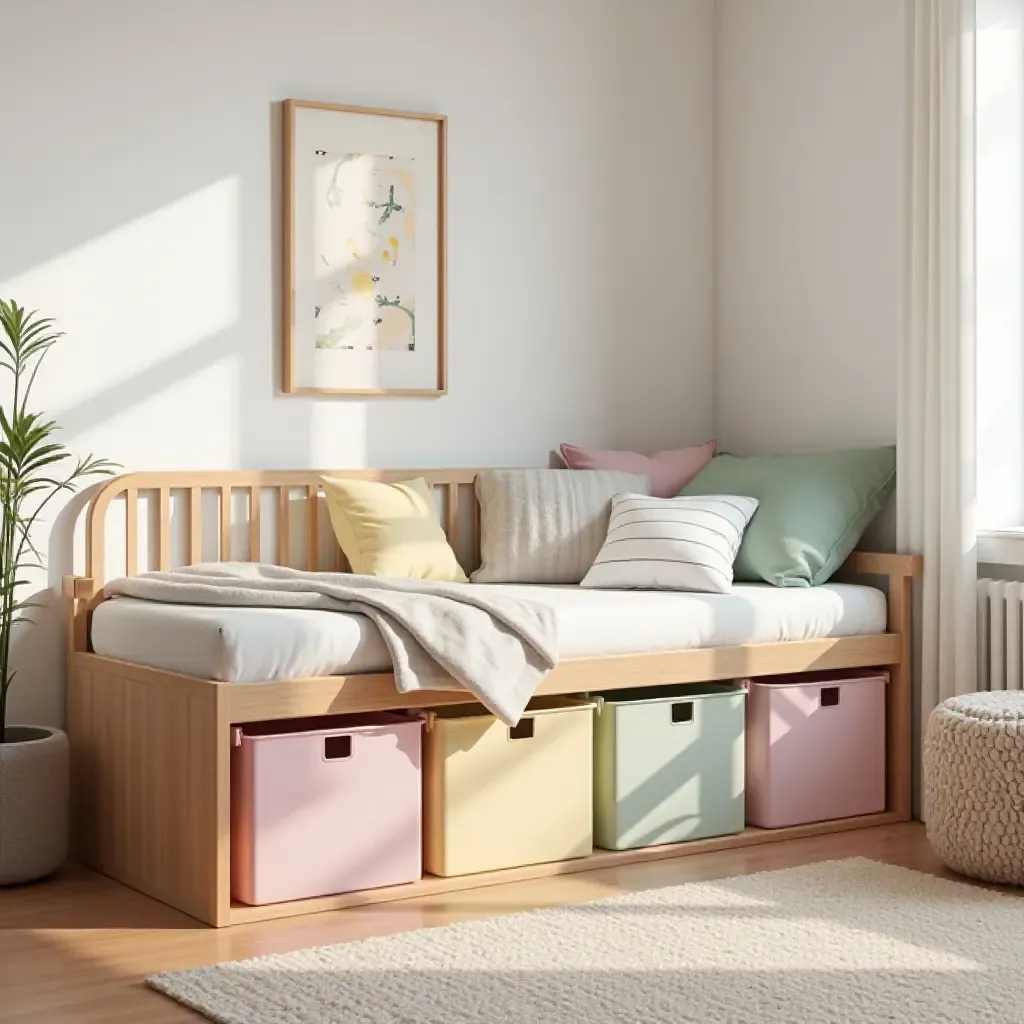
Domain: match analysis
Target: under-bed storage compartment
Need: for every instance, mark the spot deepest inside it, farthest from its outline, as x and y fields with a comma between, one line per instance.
x=815, y=747
x=324, y=806
x=668, y=765
x=500, y=797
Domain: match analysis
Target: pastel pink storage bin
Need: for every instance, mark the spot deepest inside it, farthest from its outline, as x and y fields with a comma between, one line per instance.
x=325, y=805
x=815, y=747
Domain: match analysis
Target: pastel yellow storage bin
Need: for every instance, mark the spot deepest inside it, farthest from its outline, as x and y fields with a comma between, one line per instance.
x=497, y=797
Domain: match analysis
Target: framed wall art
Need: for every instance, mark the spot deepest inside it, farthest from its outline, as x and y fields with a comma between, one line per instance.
x=364, y=251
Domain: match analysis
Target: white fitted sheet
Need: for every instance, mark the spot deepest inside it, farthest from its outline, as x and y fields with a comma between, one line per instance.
x=247, y=645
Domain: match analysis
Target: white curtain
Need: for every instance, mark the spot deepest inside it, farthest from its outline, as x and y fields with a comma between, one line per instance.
x=936, y=429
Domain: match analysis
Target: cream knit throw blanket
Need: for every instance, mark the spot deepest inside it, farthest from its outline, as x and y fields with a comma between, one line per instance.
x=441, y=636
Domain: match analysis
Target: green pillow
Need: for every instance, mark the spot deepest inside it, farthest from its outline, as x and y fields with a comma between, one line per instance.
x=813, y=509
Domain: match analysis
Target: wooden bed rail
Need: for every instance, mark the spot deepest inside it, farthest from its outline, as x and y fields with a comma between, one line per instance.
x=873, y=563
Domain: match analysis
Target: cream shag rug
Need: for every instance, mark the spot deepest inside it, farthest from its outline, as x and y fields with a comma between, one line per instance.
x=851, y=940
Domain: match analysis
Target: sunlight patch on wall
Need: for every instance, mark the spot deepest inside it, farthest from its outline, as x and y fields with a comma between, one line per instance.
x=138, y=299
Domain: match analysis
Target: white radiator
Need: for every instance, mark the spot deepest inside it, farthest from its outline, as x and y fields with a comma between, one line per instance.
x=1000, y=636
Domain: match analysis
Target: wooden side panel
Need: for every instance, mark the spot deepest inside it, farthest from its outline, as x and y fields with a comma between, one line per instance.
x=83, y=736
x=147, y=762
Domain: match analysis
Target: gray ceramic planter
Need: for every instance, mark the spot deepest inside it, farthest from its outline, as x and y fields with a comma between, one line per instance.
x=33, y=803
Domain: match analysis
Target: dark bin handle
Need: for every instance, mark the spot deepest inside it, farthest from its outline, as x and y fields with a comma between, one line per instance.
x=337, y=748
x=830, y=696
x=522, y=730
x=682, y=712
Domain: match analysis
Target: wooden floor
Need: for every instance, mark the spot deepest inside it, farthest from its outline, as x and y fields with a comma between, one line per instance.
x=77, y=947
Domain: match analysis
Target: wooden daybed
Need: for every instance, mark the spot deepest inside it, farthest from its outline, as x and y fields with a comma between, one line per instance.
x=150, y=749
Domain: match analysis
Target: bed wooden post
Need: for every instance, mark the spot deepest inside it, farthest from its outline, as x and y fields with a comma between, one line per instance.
x=900, y=570
x=79, y=590
x=900, y=710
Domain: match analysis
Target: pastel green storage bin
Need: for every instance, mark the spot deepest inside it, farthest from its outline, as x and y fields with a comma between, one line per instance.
x=668, y=765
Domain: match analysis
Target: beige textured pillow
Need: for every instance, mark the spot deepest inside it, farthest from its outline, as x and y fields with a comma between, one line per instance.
x=545, y=525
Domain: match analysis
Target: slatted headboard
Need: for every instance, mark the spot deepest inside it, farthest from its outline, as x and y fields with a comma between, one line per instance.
x=163, y=520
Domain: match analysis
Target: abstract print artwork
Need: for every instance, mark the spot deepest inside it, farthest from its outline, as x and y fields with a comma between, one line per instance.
x=365, y=240
x=364, y=251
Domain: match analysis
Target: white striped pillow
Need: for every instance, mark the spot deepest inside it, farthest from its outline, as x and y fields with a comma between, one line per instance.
x=685, y=543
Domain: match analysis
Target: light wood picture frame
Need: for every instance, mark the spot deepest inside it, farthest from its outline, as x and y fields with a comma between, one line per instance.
x=364, y=270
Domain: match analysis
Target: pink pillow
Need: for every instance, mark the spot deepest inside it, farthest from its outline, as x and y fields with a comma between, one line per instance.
x=669, y=471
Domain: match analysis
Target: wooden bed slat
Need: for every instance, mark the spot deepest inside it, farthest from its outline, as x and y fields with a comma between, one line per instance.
x=284, y=530
x=254, y=523
x=131, y=538
x=164, y=530
x=452, y=529
x=195, y=530
x=225, y=524
x=313, y=540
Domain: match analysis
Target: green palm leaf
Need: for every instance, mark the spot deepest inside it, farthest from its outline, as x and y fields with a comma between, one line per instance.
x=34, y=468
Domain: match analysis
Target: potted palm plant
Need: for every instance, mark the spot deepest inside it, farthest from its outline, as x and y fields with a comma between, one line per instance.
x=34, y=469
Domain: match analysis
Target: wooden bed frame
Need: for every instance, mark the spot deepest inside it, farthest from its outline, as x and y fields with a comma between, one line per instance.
x=150, y=749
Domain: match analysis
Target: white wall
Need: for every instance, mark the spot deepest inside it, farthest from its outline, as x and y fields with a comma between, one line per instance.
x=810, y=206
x=138, y=202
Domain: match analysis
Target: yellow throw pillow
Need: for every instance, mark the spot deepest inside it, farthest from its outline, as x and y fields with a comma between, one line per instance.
x=390, y=529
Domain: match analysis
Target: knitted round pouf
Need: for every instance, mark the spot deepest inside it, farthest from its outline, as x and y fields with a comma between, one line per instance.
x=974, y=785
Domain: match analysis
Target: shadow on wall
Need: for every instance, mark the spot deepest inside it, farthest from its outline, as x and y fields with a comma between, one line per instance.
x=39, y=651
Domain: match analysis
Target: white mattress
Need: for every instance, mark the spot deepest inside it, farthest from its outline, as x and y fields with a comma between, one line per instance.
x=246, y=645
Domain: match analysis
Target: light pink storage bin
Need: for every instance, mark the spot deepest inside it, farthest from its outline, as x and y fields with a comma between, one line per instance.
x=815, y=747
x=321, y=806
